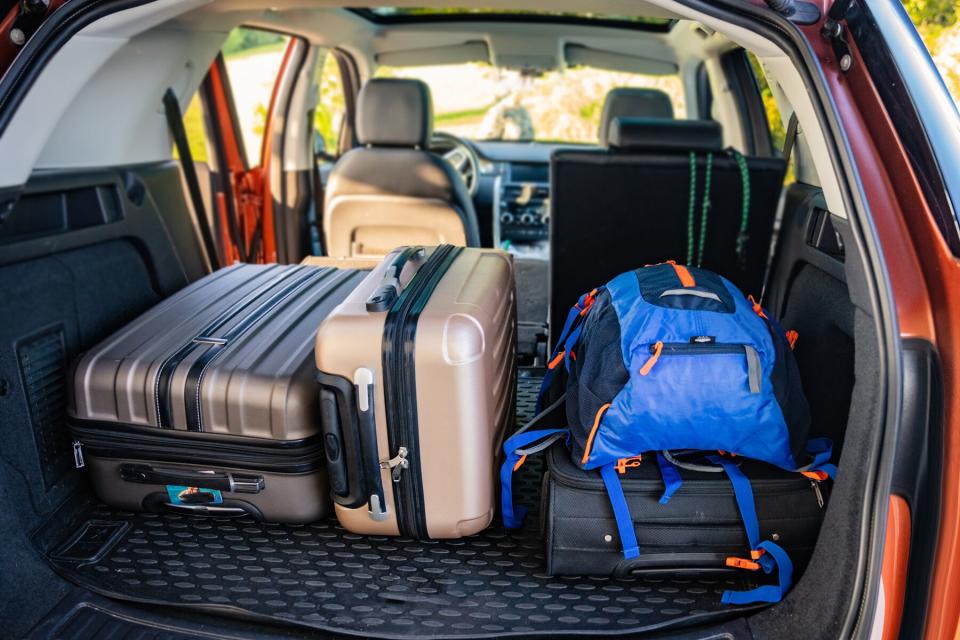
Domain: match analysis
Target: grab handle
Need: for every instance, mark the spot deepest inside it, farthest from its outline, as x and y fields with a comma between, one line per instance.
x=200, y=478
x=390, y=287
x=207, y=510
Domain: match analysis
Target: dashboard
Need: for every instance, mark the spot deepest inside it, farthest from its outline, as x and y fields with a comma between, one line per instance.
x=515, y=185
x=522, y=204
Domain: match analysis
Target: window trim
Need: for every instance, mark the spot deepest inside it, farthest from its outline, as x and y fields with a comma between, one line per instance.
x=918, y=104
x=753, y=116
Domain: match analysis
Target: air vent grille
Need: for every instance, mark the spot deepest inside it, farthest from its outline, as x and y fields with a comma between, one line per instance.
x=42, y=362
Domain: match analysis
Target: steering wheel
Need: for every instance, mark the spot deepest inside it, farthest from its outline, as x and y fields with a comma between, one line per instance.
x=459, y=154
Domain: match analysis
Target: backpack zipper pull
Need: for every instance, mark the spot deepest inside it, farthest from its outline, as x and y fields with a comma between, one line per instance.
x=652, y=360
x=817, y=492
x=398, y=463
x=78, y=462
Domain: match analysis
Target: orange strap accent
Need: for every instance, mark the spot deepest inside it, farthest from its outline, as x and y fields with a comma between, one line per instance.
x=792, y=338
x=628, y=463
x=756, y=553
x=819, y=476
x=757, y=309
x=557, y=360
x=520, y=462
x=593, y=432
x=652, y=360
x=742, y=563
x=685, y=278
x=573, y=356
x=588, y=302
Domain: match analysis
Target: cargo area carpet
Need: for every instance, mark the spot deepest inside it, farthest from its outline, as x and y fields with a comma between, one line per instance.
x=321, y=576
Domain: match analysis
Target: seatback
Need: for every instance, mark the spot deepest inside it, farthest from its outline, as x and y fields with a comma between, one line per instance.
x=392, y=191
x=616, y=209
x=632, y=102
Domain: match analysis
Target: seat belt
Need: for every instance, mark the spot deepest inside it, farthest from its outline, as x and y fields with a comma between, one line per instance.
x=791, y=138
x=171, y=107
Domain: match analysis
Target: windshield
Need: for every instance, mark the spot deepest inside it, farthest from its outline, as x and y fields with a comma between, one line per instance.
x=425, y=14
x=483, y=102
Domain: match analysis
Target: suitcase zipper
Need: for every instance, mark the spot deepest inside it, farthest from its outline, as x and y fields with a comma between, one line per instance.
x=397, y=464
x=78, y=462
x=817, y=492
x=591, y=481
x=655, y=487
x=303, y=457
x=400, y=389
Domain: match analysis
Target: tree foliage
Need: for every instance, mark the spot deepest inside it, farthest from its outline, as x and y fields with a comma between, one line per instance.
x=932, y=18
x=932, y=13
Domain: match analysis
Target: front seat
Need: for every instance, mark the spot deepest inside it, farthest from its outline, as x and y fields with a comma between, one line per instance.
x=632, y=102
x=392, y=191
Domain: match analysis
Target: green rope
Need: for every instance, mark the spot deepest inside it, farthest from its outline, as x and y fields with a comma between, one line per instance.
x=691, y=204
x=704, y=209
x=742, y=237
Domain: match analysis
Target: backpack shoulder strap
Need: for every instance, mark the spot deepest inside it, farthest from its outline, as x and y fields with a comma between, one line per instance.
x=517, y=448
x=567, y=340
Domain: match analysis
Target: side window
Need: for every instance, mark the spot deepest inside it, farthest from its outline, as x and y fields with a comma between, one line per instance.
x=195, y=127
x=775, y=120
x=331, y=109
x=778, y=127
x=938, y=22
x=253, y=58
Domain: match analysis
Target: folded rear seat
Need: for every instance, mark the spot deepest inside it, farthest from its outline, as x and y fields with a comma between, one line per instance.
x=630, y=204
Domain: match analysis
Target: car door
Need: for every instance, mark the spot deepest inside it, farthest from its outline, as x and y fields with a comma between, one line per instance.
x=904, y=131
x=245, y=94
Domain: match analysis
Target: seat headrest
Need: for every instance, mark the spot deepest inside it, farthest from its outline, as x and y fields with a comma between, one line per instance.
x=394, y=112
x=633, y=102
x=655, y=134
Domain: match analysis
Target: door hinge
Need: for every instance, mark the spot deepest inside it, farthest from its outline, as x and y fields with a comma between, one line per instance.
x=836, y=33
x=30, y=15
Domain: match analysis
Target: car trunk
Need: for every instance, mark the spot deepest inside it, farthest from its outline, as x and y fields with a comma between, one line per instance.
x=63, y=546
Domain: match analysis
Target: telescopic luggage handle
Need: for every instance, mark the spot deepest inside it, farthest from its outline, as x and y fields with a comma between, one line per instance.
x=348, y=421
x=390, y=287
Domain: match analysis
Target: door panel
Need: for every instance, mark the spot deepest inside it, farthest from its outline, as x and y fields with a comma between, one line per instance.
x=246, y=106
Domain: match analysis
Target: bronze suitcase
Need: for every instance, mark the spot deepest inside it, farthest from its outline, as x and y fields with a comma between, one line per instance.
x=207, y=403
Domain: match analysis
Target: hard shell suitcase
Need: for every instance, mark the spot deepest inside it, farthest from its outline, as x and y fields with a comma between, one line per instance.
x=696, y=531
x=417, y=370
x=207, y=402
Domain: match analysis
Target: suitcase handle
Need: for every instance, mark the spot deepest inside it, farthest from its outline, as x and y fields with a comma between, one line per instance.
x=369, y=453
x=200, y=478
x=348, y=422
x=158, y=502
x=207, y=510
x=390, y=287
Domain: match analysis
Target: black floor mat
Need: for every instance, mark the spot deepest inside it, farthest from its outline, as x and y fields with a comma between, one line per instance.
x=319, y=575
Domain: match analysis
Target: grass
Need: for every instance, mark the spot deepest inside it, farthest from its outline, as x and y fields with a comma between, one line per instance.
x=461, y=117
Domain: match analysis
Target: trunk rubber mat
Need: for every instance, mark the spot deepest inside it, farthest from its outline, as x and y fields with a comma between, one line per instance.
x=319, y=575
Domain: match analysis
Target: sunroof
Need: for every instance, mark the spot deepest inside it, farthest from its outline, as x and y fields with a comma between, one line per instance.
x=427, y=14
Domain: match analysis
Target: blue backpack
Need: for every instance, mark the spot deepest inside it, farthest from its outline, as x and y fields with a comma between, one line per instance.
x=675, y=360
